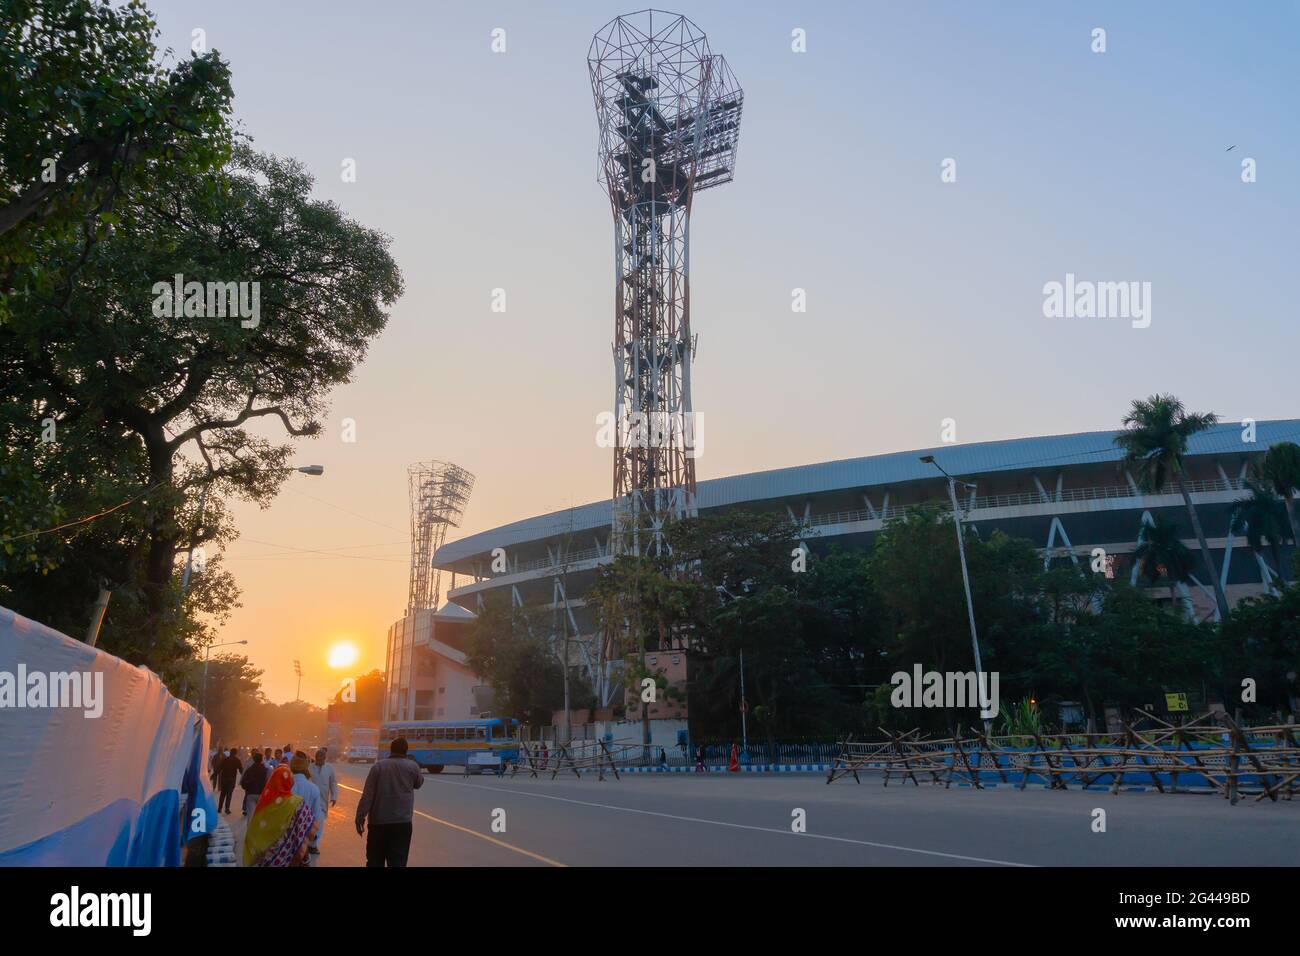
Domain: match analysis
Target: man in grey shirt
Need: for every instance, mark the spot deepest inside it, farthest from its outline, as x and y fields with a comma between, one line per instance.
x=388, y=803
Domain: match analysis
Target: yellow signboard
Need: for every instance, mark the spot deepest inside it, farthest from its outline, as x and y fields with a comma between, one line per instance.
x=1175, y=702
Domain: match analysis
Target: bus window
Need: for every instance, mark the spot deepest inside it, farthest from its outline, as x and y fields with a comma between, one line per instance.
x=480, y=733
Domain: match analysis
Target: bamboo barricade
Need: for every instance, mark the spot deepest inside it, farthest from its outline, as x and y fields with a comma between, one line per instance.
x=575, y=756
x=1222, y=758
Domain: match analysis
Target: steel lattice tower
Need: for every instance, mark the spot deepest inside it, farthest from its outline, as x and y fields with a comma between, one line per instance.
x=439, y=492
x=669, y=116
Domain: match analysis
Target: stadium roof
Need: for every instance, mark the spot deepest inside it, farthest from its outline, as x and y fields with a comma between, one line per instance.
x=1016, y=454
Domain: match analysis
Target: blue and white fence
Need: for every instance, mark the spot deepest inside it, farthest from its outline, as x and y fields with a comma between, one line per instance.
x=99, y=764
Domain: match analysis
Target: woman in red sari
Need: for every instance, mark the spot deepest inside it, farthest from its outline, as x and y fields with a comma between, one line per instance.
x=279, y=828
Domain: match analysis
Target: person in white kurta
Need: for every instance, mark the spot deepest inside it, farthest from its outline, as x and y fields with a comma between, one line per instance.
x=323, y=775
x=310, y=794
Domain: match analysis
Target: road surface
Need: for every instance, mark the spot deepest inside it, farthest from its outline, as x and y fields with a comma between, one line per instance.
x=745, y=820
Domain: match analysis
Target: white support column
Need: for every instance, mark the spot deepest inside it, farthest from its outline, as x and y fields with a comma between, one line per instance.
x=1227, y=554
x=1041, y=490
x=1209, y=592
x=1058, y=529
x=1266, y=574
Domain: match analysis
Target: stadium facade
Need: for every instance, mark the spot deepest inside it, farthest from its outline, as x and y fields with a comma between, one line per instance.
x=1069, y=494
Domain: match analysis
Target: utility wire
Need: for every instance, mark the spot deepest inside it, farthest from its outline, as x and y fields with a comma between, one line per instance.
x=346, y=511
x=73, y=524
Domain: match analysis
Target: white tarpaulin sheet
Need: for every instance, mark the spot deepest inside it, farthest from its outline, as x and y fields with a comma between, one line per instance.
x=99, y=764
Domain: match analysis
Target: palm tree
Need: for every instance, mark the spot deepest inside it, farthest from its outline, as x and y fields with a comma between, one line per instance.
x=1263, y=519
x=1161, y=553
x=1154, y=441
x=1281, y=470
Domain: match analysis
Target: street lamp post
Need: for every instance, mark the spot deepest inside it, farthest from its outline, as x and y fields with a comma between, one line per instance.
x=980, y=680
x=203, y=698
x=744, y=709
x=744, y=704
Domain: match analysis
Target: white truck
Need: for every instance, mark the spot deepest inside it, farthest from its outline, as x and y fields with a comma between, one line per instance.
x=364, y=745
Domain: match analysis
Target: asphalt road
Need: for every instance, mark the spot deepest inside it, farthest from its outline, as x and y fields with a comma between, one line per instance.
x=745, y=820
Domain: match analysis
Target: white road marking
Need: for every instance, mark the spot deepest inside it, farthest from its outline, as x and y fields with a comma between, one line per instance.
x=482, y=836
x=746, y=826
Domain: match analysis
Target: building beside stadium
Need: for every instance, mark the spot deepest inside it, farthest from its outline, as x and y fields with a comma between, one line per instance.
x=1070, y=494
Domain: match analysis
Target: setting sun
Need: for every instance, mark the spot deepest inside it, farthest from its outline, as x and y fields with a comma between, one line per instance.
x=343, y=654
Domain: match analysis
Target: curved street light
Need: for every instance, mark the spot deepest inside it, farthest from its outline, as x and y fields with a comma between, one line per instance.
x=203, y=697
x=980, y=680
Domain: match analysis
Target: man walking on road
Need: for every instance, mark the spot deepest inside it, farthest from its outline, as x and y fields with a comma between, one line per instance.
x=388, y=802
x=253, y=781
x=323, y=775
x=228, y=773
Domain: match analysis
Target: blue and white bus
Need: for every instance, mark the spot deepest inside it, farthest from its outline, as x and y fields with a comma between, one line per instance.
x=476, y=745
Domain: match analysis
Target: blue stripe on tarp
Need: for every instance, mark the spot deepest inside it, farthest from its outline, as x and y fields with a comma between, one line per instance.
x=120, y=834
x=198, y=795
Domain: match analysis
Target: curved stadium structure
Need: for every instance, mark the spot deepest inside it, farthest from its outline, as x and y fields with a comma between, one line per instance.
x=1068, y=494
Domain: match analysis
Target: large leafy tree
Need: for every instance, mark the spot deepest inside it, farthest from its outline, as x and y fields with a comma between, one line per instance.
x=509, y=649
x=169, y=404
x=1154, y=441
x=797, y=619
x=1129, y=653
x=643, y=603
x=89, y=114
x=916, y=572
x=915, y=569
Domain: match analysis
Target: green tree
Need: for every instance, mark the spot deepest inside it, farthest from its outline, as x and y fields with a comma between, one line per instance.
x=915, y=569
x=509, y=650
x=1129, y=653
x=88, y=115
x=643, y=603
x=177, y=402
x=1262, y=518
x=1160, y=553
x=1280, y=469
x=1154, y=441
x=367, y=704
x=1263, y=639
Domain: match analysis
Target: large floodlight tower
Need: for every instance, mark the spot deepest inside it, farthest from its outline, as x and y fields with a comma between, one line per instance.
x=669, y=117
x=439, y=492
